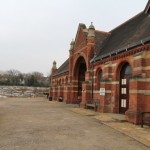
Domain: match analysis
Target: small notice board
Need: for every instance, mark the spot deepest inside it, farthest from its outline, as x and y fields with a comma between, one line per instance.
x=102, y=91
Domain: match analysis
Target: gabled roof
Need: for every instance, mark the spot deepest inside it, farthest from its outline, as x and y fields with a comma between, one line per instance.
x=63, y=68
x=134, y=31
x=100, y=36
x=130, y=32
x=82, y=33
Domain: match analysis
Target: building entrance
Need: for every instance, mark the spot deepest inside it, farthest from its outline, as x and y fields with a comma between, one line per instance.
x=80, y=71
x=125, y=75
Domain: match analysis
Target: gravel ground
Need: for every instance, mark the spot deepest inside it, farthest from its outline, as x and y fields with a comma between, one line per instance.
x=39, y=124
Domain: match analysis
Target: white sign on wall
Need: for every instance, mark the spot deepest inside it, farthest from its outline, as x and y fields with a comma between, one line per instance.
x=102, y=91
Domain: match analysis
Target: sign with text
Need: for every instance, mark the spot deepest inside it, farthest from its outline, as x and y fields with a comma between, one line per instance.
x=102, y=91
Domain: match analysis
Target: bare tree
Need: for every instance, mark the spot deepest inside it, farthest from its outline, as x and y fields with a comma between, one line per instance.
x=15, y=77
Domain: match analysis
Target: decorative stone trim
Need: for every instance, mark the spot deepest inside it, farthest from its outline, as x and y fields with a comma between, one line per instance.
x=147, y=92
x=106, y=74
x=146, y=68
x=108, y=63
x=112, y=82
x=139, y=55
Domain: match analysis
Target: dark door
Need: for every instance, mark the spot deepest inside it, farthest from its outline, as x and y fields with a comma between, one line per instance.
x=81, y=77
x=125, y=75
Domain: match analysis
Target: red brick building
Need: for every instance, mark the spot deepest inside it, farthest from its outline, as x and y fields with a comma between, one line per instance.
x=112, y=67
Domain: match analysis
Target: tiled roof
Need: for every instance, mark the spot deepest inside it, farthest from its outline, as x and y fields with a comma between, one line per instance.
x=130, y=32
x=63, y=68
x=100, y=37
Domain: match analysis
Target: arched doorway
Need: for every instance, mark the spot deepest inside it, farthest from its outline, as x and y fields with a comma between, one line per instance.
x=125, y=75
x=80, y=71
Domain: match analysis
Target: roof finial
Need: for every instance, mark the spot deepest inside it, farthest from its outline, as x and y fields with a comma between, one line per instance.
x=91, y=26
x=54, y=65
x=72, y=44
x=54, y=62
x=91, y=30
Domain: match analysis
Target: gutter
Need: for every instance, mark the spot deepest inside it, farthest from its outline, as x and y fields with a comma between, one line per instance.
x=115, y=52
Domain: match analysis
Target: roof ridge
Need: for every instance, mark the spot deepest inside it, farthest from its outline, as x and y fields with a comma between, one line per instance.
x=102, y=31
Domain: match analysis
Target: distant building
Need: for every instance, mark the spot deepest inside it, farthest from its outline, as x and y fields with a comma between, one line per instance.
x=113, y=67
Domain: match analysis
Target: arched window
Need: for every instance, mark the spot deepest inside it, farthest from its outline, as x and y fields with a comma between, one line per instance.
x=99, y=78
x=126, y=70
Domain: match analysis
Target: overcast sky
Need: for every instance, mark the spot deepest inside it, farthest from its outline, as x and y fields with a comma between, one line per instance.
x=34, y=33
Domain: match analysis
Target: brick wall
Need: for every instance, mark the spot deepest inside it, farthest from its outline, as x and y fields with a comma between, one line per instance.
x=139, y=84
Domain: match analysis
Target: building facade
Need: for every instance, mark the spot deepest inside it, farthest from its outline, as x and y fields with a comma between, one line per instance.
x=112, y=67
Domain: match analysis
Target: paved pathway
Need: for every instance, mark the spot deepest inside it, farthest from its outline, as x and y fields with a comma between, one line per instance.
x=119, y=123
x=38, y=124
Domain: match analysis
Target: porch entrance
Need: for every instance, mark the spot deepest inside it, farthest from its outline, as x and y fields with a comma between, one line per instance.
x=81, y=75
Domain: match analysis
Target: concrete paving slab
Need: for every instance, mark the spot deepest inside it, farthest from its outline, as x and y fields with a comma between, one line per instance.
x=117, y=122
x=39, y=124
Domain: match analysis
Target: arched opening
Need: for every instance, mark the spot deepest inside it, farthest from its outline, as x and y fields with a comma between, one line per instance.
x=79, y=72
x=125, y=74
